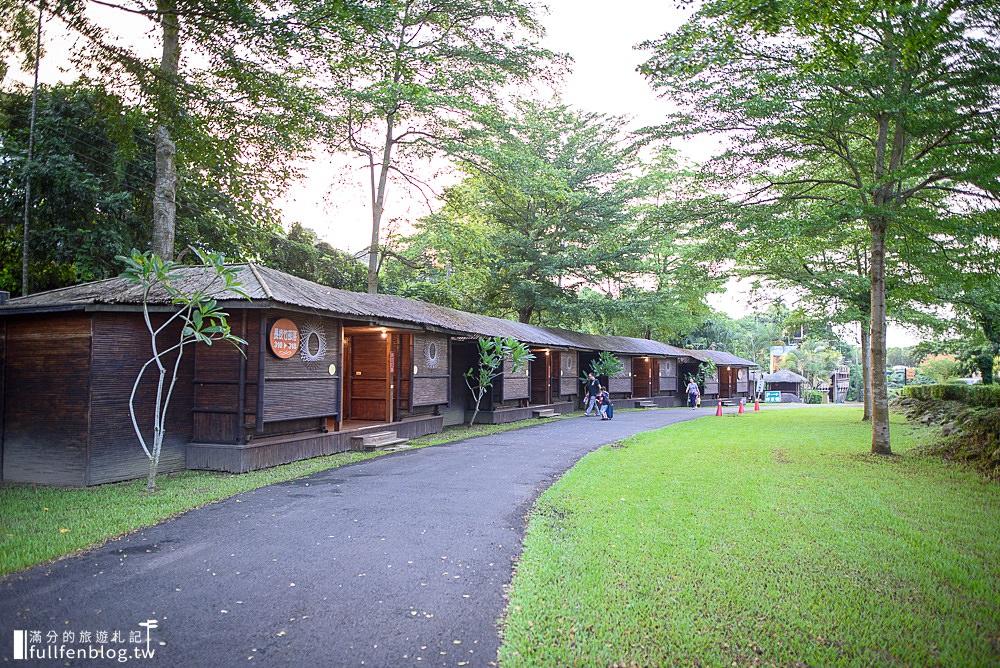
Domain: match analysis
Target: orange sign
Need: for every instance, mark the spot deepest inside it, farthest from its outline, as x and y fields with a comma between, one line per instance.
x=284, y=338
x=911, y=373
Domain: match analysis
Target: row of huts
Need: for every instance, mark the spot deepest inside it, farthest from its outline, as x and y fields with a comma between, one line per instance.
x=321, y=366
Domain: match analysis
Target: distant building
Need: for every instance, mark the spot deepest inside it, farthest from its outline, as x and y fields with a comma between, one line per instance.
x=787, y=382
x=777, y=353
x=840, y=383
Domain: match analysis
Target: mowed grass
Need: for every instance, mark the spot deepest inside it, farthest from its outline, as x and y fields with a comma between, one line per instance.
x=763, y=539
x=39, y=524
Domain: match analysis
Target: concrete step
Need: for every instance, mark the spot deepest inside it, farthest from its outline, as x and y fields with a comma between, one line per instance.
x=544, y=413
x=379, y=440
x=645, y=403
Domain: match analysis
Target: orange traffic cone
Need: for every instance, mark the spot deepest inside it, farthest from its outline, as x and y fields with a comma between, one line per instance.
x=740, y=412
x=718, y=410
x=756, y=404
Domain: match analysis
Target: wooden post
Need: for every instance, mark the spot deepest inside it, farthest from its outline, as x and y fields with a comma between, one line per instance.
x=242, y=390
x=261, y=354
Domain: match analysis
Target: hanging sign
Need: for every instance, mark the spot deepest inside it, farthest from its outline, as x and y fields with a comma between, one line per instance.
x=284, y=339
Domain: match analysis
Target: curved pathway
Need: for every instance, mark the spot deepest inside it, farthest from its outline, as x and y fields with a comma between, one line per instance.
x=396, y=561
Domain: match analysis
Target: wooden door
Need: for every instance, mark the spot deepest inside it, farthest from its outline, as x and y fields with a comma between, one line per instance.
x=726, y=382
x=641, y=379
x=369, y=379
x=554, y=368
x=402, y=377
x=345, y=401
x=540, y=378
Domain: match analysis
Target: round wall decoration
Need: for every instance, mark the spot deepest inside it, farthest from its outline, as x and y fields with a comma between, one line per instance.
x=431, y=354
x=312, y=348
x=568, y=362
x=284, y=338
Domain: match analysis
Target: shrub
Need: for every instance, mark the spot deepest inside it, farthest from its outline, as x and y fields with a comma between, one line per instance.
x=984, y=395
x=950, y=392
x=922, y=392
x=941, y=367
x=812, y=397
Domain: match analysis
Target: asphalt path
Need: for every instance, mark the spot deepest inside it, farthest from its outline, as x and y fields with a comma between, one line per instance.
x=400, y=560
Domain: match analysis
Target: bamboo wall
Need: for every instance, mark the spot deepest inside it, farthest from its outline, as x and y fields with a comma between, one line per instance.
x=569, y=381
x=516, y=385
x=305, y=385
x=668, y=375
x=431, y=370
x=67, y=378
x=621, y=382
x=121, y=345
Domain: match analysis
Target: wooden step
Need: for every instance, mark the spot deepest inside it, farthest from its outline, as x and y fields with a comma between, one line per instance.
x=544, y=413
x=645, y=403
x=378, y=440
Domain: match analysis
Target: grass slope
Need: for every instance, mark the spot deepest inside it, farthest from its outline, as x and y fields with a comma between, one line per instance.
x=764, y=539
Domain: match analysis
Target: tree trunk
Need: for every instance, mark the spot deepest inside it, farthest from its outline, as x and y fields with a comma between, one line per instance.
x=879, y=386
x=866, y=369
x=26, y=236
x=165, y=189
x=165, y=195
x=151, y=477
x=378, y=204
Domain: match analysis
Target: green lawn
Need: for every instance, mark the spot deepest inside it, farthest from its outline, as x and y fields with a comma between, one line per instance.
x=38, y=524
x=765, y=539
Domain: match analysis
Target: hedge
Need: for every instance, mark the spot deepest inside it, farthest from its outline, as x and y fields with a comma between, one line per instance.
x=985, y=395
x=974, y=395
x=922, y=392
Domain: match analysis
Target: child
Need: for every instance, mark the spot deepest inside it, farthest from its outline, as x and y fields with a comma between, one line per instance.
x=606, y=406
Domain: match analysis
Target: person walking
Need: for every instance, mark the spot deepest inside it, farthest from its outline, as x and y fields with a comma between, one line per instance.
x=593, y=392
x=693, y=394
x=607, y=408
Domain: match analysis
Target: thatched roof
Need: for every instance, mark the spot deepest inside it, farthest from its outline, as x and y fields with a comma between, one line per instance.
x=784, y=376
x=270, y=288
x=720, y=357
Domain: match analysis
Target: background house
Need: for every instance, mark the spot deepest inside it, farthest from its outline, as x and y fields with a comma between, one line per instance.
x=789, y=383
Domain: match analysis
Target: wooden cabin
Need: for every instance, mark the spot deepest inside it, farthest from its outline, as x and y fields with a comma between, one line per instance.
x=731, y=382
x=317, y=370
x=321, y=368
